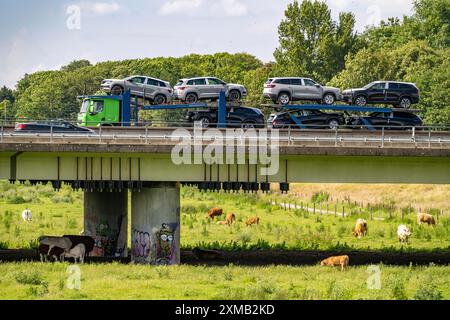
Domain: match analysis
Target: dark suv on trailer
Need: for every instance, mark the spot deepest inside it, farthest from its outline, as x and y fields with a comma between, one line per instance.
x=306, y=119
x=235, y=117
x=395, y=120
x=398, y=94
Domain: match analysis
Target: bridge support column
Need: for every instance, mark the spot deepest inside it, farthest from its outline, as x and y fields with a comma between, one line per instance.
x=155, y=224
x=106, y=220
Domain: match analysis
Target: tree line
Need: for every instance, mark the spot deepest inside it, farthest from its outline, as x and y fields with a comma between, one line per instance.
x=414, y=48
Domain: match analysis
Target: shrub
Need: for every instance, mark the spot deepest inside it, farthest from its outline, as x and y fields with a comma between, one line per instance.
x=16, y=200
x=33, y=278
x=321, y=196
x=398, y=290
x=428, y=292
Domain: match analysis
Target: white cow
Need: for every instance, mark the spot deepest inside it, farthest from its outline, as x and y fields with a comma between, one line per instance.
x=403, y=233
x=77, y=252
x=26, y=215
x=51, y=242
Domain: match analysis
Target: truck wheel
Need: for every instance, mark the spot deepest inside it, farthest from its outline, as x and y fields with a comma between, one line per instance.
x=205, y=122
x=116, y=90
x=159, y=99
x=329, y=99
x=284, y=98
x=235, y=96
x=191, y=98
x=360, y=101
x=405, y=103
x=333, y=124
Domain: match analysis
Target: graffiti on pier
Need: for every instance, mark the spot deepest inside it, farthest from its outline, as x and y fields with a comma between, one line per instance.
x=140, y=244
x=105, y=241
x=165, y=244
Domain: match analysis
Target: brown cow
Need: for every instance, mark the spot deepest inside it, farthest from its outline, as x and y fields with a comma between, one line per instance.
x=230, y=218
x=251, y=221
x=360, y=228
x=336, y=261
x=214, y=212
x=425, y=218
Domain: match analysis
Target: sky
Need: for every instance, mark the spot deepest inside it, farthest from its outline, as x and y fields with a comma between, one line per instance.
x=47, y=34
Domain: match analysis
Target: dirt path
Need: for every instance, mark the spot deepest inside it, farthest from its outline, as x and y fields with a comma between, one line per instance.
x=272, y=257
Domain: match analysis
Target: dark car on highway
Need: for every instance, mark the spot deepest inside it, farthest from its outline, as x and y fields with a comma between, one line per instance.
x=236, y=117
x=398, y=94
x=55, y=126
x=306, y=119
x=396, y=120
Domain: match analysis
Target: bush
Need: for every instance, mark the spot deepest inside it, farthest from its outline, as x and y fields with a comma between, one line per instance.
x=429, y=292
x=16, y=200
x=33, y=278
x=321, y=196
x=398, y=290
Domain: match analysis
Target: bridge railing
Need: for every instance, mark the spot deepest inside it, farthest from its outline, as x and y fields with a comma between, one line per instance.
x=382, y=136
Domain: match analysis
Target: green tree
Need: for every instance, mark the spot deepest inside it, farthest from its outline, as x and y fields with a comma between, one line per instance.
x=311, y=43
x=76, y=64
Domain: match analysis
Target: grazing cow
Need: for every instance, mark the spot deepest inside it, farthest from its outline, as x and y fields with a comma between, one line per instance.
x=56, y=253
x=403, y=233
x=360, y=228
x=26, y=215
x=215, y=212
x=88, y=242
x=336, y=261
x=251, y=221
x=77, y=252
x=206, y=254
x=425, y=218
x=51, y=242
x=230, y=218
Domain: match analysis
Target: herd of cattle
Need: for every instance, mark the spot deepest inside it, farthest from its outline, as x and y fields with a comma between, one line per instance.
x=67, y=246
x=78, y=247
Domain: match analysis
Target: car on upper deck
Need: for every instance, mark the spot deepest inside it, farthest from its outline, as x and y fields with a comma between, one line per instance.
x=398, y=94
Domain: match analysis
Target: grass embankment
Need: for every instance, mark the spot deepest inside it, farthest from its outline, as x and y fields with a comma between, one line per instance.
x=117, y=281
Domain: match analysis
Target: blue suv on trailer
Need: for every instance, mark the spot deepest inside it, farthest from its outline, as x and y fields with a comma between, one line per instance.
x=398, y=94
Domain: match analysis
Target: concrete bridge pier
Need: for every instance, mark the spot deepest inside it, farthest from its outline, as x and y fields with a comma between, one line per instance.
x=155, y=224
x=106, y=220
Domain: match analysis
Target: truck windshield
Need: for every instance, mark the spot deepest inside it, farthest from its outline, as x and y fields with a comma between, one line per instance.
x=85, y=106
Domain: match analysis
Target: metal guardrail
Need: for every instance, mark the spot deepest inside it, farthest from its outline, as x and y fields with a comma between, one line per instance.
x=425, y=137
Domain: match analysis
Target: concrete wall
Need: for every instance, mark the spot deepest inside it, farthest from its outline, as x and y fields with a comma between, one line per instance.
x=155, y=226
x=106, y=220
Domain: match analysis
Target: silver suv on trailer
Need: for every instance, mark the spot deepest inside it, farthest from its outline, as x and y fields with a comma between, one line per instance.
x=194, y=89
x=156, y=90
x=285, y=90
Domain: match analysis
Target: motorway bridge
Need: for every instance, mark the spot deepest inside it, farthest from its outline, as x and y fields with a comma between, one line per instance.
x=113, y=161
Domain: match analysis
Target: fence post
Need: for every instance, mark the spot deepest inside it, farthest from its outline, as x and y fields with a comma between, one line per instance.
x=100, y=133
x=335, y=209
x=314, y=208
x=382, y=137
x=370, y=212
x=51, y=132
x=328, y=208
x=343, y=211
x=1, y=136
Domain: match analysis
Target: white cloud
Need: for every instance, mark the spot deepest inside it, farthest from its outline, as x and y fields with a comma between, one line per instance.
x=100, y=8
x=229, y=8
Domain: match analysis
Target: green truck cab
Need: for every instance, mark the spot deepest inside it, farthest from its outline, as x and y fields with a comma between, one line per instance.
x=99, y=112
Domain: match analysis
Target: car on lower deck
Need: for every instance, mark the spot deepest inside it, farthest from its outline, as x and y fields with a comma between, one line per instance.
x=236, y=117
x=50, y=126
x=395, y=120
x=306, y=119
x=398, y=94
